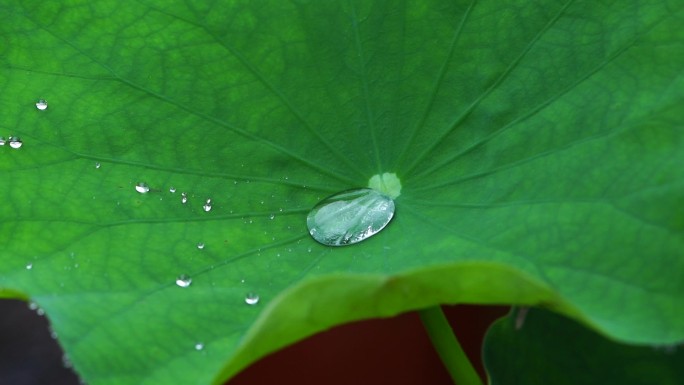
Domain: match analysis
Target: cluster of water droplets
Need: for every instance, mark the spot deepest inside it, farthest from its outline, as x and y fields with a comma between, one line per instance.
x=13, y=142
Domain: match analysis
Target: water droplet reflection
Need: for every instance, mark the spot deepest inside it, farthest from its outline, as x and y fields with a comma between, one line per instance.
x=183, y=280
x=350, y=217
x=42, y=104
x=15, y=142
x=252, y=299
x=142, y=188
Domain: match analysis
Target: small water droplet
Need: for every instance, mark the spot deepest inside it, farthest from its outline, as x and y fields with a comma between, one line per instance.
x=199, y=346
x=40, y=311
x=252, y=299
x=142, y=188
x=97, y=165
x=42, y=104
x=207, y=205
x=66, y=361
x=183, y=280
x=272, y=216
x=29, y=266
x=200, y=245
x=350, y=217
x=172, y=189
x=184, y=198
x=2, y=140
x=15, y=142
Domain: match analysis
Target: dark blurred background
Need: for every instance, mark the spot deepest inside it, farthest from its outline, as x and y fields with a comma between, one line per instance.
x=380, y=351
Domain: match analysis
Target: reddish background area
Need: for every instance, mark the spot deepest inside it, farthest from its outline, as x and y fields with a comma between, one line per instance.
x=380, y=351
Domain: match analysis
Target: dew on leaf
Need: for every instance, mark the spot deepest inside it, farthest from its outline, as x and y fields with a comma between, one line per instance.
x=207, y=205
x=172, y=189
x=183, y=280
x=2, y=140
x=29, y=266
x=15, y=142
x=97, y=165
x=42, y=104
x=142, y=188
x=252, y=299
x=199, y=346
x=200, y=245
x=350, y=216
x=184, y=198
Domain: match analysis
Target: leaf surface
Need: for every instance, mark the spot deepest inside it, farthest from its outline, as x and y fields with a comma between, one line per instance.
x=539, y=347
x=539, y=146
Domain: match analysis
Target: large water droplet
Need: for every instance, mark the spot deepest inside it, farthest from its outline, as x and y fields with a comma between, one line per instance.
x=252, y=299
x=350, y=217
x=200, y=245
x=42, y=104
x=15, y=142
x=207, y=205
x=142, y=188
x=183, y=280
x=172, y=189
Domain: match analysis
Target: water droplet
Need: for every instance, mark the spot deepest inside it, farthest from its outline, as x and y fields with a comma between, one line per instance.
x=142, y=188
x=15, y=142
x=29, y=266
x=66, y=361
x=350, y=217
x=183, y=280
x=184, y=198
x=207, y=205
x=42, y=104
x=200, y=245
x=252, y=299
x=172, y=189
x=199, y=346
x=272, y=216
x=2, y=140
x=97, y=165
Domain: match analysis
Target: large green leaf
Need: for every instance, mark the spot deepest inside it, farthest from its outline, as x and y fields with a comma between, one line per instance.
x=544, y=348
x=539, y=145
